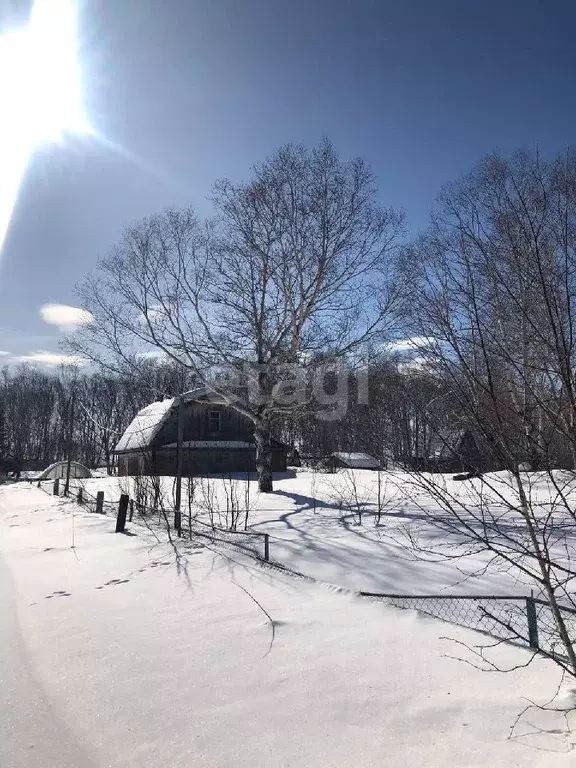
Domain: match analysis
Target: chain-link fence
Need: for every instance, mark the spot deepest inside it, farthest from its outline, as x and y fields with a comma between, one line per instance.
x=525, y=620
x=547, y=636
x=255, y=544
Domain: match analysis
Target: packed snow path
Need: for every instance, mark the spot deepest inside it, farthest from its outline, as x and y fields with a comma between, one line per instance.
x=121, y=652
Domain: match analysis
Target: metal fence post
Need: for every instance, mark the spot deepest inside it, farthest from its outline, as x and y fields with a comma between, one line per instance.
x=532, y=622
x=122, y=509
x=56, y=487
x=100, y=502
x=267, y=547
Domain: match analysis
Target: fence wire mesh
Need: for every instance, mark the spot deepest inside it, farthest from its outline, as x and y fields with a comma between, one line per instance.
x=256, y=544
x=507, y=618
x=548, y=636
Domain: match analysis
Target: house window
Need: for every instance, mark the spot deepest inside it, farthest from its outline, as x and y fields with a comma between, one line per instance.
x=214, y=421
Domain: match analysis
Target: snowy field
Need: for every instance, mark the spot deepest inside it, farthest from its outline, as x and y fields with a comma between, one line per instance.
x=122, y=652
x=314, y=526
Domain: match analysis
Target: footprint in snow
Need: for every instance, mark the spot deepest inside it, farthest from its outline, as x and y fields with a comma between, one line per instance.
x=112, y=582
x=58, y=593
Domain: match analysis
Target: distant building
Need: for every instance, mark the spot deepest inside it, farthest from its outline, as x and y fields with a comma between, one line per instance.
x=353, y=460
x=217, y=439
x=453, y=451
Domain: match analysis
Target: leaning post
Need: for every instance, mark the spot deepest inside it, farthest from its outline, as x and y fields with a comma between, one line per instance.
x=122, y=509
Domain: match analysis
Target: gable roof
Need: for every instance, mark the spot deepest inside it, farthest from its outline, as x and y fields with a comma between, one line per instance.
x=357, y=460
x=147, y=423
x=145, y=426
x=449, y=444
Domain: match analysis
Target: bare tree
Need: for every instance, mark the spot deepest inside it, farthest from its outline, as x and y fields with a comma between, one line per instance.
x=290, y=276
x=492, y=281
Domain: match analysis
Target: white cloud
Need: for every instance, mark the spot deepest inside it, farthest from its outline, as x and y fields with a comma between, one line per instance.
x=51, y=358
x=412, y=344
x=2, y=353
x=65, y=317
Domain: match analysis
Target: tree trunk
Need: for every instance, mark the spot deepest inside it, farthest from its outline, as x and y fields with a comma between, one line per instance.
x=263, y=456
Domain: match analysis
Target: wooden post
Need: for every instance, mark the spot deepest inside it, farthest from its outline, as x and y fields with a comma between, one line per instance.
x=79, y=497
x=122, y=509
x=179, y=460
x=131, y=510
x=56, y=487
x=100, y=502
x=70, y=436
x=267, y=547
x=532, y=622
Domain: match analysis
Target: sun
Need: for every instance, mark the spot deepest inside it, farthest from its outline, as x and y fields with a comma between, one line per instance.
x=40, y=92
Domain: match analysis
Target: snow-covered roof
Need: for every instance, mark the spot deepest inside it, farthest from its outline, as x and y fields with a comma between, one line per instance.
x=60, y=469
x=144, y=427
x=214, y=444
x=357, y=460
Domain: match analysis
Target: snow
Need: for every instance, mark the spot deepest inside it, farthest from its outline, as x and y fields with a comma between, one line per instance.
x=313, y=531
x=357, y=460
x=145, y=426
x=125, y=652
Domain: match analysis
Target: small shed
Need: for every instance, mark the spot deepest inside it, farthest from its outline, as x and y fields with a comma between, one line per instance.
x=354, y=460
x=60, y=468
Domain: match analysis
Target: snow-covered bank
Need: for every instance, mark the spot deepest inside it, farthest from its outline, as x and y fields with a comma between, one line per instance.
x=314, y=532
x=150, y=660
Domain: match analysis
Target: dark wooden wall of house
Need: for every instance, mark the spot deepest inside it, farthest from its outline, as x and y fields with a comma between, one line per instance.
x=196, y=462
x=233, y=426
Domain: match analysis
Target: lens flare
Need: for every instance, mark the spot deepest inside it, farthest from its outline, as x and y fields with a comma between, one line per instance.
x=40, y=93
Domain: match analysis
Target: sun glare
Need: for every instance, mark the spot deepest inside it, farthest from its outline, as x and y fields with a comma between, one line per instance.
x=40, y=92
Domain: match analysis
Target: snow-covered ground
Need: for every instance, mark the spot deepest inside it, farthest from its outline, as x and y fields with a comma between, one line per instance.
x=313, y=529
x=123, y=652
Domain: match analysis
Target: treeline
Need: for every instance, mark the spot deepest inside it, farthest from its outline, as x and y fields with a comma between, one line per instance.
x=47, y=415
x=493, y=283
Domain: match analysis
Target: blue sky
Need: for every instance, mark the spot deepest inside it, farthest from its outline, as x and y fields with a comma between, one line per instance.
x=188, y=91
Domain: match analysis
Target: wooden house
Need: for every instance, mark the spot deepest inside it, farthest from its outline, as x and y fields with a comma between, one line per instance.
x=454, y=451
x=216, y=439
